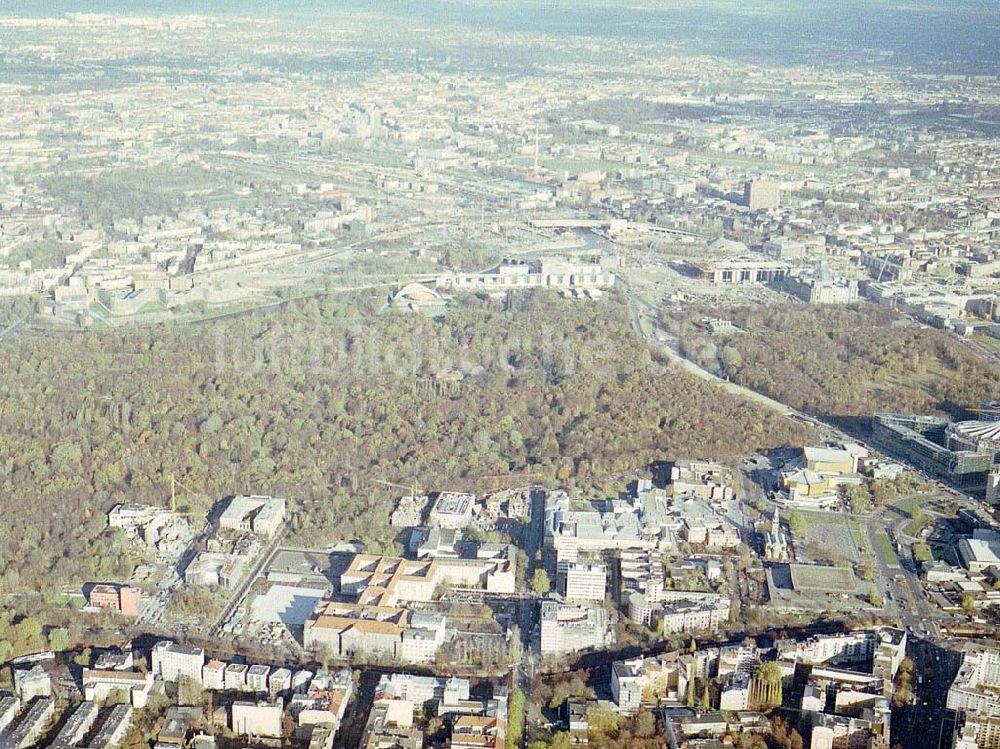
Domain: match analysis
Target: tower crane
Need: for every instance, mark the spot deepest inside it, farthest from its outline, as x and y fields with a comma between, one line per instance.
x=173, y=497
x=414, y=489
x=497, y=478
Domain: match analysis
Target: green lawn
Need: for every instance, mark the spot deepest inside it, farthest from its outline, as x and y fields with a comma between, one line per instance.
x=885, y=549
x=859, y=536
x=989, y=342
x=913, y=527
x=913, y=505
x=918, y=518
x=859, y=539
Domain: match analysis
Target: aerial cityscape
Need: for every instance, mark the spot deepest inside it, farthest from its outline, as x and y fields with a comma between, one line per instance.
x=474, y=375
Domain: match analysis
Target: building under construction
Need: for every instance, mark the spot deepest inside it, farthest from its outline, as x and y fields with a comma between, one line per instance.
x=924, y=441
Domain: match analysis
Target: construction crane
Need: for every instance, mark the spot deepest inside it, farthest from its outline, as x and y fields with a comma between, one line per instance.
x=173, y=497
x=885, y=263
x=498, y=478
x=414, y=489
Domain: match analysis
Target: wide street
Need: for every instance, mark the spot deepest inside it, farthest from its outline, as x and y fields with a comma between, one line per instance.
x=927, y=723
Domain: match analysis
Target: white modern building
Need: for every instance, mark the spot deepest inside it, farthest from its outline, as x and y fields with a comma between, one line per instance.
x=423, y=689
x=660, y=680
x=257, y=719
x=171, y=661
x=279, y=681
x=452, y=510
x=213, y=675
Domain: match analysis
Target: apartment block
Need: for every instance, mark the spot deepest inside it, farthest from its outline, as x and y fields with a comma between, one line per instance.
x=9, y=708
x=976, y=687
x=171, y=661
x=32, y=725
x=113, y=729
x=77, y=725
x=662, y=680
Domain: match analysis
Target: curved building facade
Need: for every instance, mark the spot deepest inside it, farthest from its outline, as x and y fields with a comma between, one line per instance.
x=975, y=436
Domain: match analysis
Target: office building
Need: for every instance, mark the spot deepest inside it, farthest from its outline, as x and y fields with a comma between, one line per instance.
x=121, y=598
x=424, y=690
x=598, y=527
x=762, y=195
x=586, y=278
x=568, y=627
x=260, y=515
x=99, y=684
x=959, y=454
x=257, y=719
x=390, y=581
x=213, y=675
x=210, y=569
x=357, y=629
x=257, y=678
x=583, y=581
x=452, y=510
x=740, y=270
x=235, y=676
x=279, y=682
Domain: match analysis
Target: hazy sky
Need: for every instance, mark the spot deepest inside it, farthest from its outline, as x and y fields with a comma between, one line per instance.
x=956, y=33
